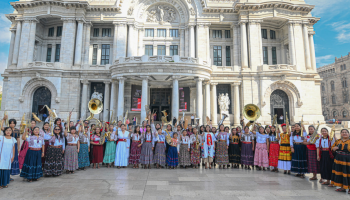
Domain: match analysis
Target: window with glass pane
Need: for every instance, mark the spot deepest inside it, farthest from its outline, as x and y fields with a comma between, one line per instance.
x=161, y=32
x=174, y=32
x=217, y=34
x=106, y=32
x=272, y=34
x=227, y=34
x=228, y=56
x=48, y=54
x=274, y=56
x=265, y=56
x=217, y=56
x=57, y=53
x=174, y=50
x=105, y=54
x=264, y=33
x=161, y=50
x=149, y=32
x=94, y=54
x=96, y=32
x=59, y=31
x=51, y=32
x=149, y=50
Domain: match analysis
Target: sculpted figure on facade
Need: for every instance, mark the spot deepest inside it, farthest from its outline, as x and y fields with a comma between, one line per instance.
x=224, y=102
x=161, y=14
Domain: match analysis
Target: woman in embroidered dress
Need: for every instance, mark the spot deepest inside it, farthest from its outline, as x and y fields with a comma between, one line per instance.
x=83, y=155
x=146, y=157
x=97, y=150
x=340, y=169
x=285, y=154
x=325, y=156
x=274, y=149
x=45, y=132
x=222, y=147
x=135, y=147
x=123, y=145
x=111, y=147
x=234, y=152
x=7, y=156
x=261, y=158
x=299, y=160
x=32, y=167
x=172, y=159
x=184, y=152
x=195, y=150
x=24, y=147
x=189, y=130
x=247, y=152
x=208, y=147
x=72, y=150
x=54, y=154
x=159, y=155
x=313, y=165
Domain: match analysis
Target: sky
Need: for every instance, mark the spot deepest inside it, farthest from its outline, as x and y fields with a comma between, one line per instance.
x=332, y=38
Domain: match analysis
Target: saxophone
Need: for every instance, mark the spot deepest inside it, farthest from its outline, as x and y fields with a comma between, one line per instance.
x=197, y=141
x=168, y=137
x=331, y=134
x=314, y=135
x=36, y=118
x=23, y=124
x=7, y=120
x=301, y=126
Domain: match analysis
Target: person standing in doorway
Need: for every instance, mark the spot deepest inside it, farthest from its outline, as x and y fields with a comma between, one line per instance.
x=281, y=119
x=134, y=120
x=192, y=119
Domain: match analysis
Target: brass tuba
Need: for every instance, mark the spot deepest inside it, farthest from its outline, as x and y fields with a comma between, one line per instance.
x=251, y=112
x=23, y=124
x=95, y=106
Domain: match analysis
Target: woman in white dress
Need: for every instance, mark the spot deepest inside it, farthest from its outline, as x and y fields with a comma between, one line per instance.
x=7, y=155
x=123, y=145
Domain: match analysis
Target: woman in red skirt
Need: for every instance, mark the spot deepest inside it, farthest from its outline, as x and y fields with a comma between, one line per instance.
x=97, y=151
x=313, y=165
x=274, y=149
x=46, y=134
x=135, y=148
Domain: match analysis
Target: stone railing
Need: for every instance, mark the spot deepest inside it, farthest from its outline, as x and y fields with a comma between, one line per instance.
x=165, y=59
x=41, y=64
x=277, y=67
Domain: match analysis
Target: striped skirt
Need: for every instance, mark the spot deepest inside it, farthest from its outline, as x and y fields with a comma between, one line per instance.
x=341, y=170
x=299, y=161
x=45, y=150
x=71, y=158
x=32, y=167
x=146, y=157
x=195, y=154
x=83, y=156
x=261, y=157
x=172, y=159
x=184, y=155
x=221, y=153
x=159, y=154
x=247, y=157
x=135, y=153
x=234, y=153
x=273, y=154
x=313, y=166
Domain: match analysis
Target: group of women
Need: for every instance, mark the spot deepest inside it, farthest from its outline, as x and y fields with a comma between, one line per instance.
x=266, y=148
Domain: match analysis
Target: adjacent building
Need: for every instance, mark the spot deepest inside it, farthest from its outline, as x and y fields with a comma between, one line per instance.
x=172, y=55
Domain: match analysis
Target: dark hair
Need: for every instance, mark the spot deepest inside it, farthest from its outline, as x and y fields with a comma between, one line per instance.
x=262, y=128
x=6, y=129
x=234, y=129
x=33, y=121
x=149, y=127
x=295, y=132
x=175, y=133
x=169, y=125
x=344, y=130
x=226, y=127
x=272, y=133
x=45, y=124
x=92, y=125
x=57, y=120
x=325, y=129
x=60, y=133
x=246, y=127
x=122, y=125
x=200, y=131
x=72, y=128
x=85, y=121
x=12, y=120
x=135, y=130
x=130, y=124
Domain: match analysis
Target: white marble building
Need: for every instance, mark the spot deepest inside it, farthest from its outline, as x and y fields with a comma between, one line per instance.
x=169, y=54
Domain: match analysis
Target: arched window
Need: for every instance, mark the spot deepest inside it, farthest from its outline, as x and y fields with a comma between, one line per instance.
x=345, y=97
x=344, y=67
x=333, y=99
x=324, y=100
x=332, y=86
x=335, y=114
x=341, y=67
x=345, y=114
x=322, y=86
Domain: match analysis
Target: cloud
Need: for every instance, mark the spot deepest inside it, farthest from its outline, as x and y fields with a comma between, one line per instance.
x=4, y=29
x=324, y=60
x=343, y=29
x=325, y=6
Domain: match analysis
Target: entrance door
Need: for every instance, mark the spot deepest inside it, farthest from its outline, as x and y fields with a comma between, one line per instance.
x=155, y=109
x=161, y=100
x=279, y=105
x=41, y=97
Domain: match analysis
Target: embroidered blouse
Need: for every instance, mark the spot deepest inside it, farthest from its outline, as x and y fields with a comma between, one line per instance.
x=72, y=139
x=234, y=139
x=343, y=146
x=84, y=138
x=160, y=138
x=247, y=137
x=45, y=135
x=57, y=141
x=147, y=137
x=185, y=140
x=35, y=142
x=273, y=138
x=95, y=138
x=136, y=137
x=296, y=139
x=324, y=143
x=223, y=136
x=114, y=136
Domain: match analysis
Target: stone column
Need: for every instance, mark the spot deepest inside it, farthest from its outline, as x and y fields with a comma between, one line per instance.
x=255, y=45
x=207, y=101
x=121, y=98
x=182, y=43
x=87, y=43
x=291, y=45
x=31, y=41
x=191, y=42
x=121, y=41
x=307, y=47
x=199, y=108
x=312, y=50
x=144, y=96
x=140, y=45
x=68, y=41
x=53, y=52
x=106, y=101
x=214, y=104
x=114, y=94
x=235, y=57
x=187, y=42
x=115, y=42
x=23, y=45
x=175, y=98
x=84, y=99
x=79, y=43
x=17, y=43
x=132, y=49
x=4, y=93
x=283, y=56
x=12, y=43
x=236, y=104
x=244, y=48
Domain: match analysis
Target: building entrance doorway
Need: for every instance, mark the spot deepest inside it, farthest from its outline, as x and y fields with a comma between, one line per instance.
x=160, y=100
x=279, y=106
x=41, y=97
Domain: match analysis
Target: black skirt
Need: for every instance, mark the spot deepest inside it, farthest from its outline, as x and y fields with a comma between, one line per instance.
x=234, y=153
x=326, y=165
x=341, y=170
x=53, y=162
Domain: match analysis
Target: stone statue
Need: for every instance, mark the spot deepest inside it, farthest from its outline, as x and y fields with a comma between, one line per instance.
x=152, y=16
x=224, y=102
x=161, y=14
x=192, y=11
x=130, y=11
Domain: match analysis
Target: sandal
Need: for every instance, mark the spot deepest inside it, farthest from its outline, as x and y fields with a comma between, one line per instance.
x=302, y=176
x=11, y=179
x=297, y=175
x=340, y=190
x=313, y=179
x=325, y=183
x=330, y=185
x=321, y=181
x=288, y=173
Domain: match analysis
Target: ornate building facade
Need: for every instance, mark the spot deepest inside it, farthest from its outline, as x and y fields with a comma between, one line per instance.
x=173, y=55
x=335, y=90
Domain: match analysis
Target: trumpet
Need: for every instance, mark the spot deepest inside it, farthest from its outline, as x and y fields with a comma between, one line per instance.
x=7, y=120
x=224, y=116
x=147, y=111
x=36, y=118
x=23, y=124
x=331, y=134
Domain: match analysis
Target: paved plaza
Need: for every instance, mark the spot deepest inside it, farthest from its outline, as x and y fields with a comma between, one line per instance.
x=162, y=184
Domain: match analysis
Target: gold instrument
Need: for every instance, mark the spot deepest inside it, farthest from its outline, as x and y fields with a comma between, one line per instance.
x=168, y=137
x=23, y=124
x=314, y=135
x=95, y=106
x=125, y=117
x=208, y=120
x=197, y=141
x=331, y=134
x=68, y=122
x=287, y=123
x=52, y=127
x=36, y=118
x=90, y=117
x=301, y=126
x=112, y=120
x=164, y=118
x=52, y=113
x=274, y=121
x=224, y=116
x=7, y=120
x=251, y=112
x=147, y=111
